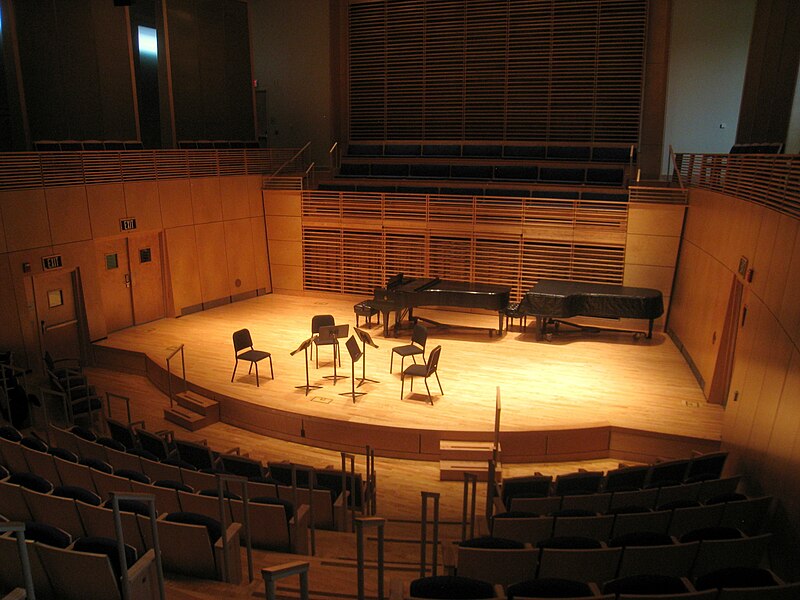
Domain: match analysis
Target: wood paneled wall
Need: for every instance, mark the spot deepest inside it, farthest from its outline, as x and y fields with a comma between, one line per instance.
x=210, y=69
x=76, y=69
x=215, y=243
x=762, y=416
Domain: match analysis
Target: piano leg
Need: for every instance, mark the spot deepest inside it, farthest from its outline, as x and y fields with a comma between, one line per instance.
x=650, y=329
x=500, y=322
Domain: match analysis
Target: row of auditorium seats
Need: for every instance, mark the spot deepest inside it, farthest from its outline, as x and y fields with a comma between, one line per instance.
x=725, y=584
x=505, y=562
x=216, y=144
x=581, y=153
x=67, y=568
x=746, y=514
x=698, y=468
x=527, y=173
x=86, y=145
x=414, y=187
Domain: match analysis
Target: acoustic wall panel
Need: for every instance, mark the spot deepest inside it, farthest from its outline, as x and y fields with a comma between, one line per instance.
x=175, y=196
x=235, y=197
x=184, y=271
x=240, y=254
x=25, y=219
x=206, y=200
x=142, y=202
x=212, y=263
x=106, y=208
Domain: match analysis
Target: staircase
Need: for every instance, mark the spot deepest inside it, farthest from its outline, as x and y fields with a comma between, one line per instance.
x=188, y=409
x=192, y=411
x=457, y=458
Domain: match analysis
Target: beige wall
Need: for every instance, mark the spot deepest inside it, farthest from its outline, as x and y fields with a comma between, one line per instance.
x=214, y=236
x=762, y=416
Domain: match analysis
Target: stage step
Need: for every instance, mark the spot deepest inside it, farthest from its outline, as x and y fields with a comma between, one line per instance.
x=192, y=411
x=198, y=403
x=453, y=470
x=471, y=450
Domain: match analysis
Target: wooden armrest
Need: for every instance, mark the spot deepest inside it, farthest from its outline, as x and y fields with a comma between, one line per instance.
x=144, y=562
x=16, y=594
x=499, y=506
x=499, y=592
x=167, y=434
x=298, y=530
x=449, y=555
x=237, y=451
x=235, y=566
x=132, y=423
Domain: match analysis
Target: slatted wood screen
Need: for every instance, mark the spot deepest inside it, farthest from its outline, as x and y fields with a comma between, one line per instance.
x=533, y=70
x=51, y=169
x=772, y=180
x=353, y=242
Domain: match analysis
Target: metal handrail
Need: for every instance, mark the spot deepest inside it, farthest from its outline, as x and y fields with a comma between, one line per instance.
x=272, y=574
x=27, y=577
x=360, y=523
x=335, y=156
x=150, y=500
x=470, y=482
x=349, y=504
x=675, y=168
x=242, y=481
x=288, y=162
x=310, y=482
x=423, y=560
x=169, y=371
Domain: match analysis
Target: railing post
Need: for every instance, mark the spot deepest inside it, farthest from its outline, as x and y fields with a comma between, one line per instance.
x=22, y=547
x=371, y=501
x=469, y=478
x=311, y=483
x=423, y=561
x=360, y=523
x=242, y=481
x=150, y=500
x=271, y=576
x=350, y=500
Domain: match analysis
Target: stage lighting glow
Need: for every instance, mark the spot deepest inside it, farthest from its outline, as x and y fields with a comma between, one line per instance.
x=148, y=41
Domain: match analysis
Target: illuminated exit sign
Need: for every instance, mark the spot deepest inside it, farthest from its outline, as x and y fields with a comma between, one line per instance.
x=127, y=224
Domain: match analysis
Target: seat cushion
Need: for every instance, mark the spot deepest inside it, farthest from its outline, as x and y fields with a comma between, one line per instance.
x=549, y=587
x=31, y=481
x=107, y=546
x=570, y=542
x=645, y=584
x=287, y=505
x=97, y=465
x=175, y=485
x=137, y=476
x=63, y=454
x=132, y=506
x=492, y=543
x=736, y=577
x=253, y=355
x=640, y=538
x=33, y=443
x=78, y=493
x=711, y=533
x=10, y=433
x=444, y=586
x=47, y=534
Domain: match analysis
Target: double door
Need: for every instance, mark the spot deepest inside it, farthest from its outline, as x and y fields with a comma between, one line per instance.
x=131, y=281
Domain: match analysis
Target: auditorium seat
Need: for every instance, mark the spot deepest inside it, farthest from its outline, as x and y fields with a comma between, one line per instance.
x=714, y=554
x=522, y=527
x=552, y=587
x=11, y=451
x=667, y=559
x=581, y=482
x=748, y=584
x=542, y=505
x=491, y=559
x=670, y=472
x=599, y=502
x=12, y=502
x=628, y=522
x=706, y=466
x=192, y=545
x=446, y=587
x=529, y=486
x=580, y=559
x=274, y=524
x=11, y=573
x=747, y=515
x=644, y=498
x=595, y=526
x=626, y=479
x=41, y=463
x=641, y=587
x=67, y=569
x=694, y=517
x=98, y=521
x=711, y=488
x=60, y=511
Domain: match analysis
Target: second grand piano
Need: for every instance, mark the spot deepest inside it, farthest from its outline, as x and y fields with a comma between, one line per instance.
x=403, y=294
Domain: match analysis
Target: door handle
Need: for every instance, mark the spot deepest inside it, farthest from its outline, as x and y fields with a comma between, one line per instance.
x=41, y=324
x=127, y=280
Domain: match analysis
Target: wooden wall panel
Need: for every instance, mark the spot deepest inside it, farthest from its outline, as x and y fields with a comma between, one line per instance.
x=789, y=312
x=68, y=212
x=142, y=202
x=235, y=197
x=212, y=262
x=106, y=208
x=3, y=246
x=206, y=200
x=240, y=251
x=11, y=332
x=659, y=278
x=183, y=268
x=176, y=202
x=25, y=219
x=254, y=183
x=651, y=250
x=261, y=254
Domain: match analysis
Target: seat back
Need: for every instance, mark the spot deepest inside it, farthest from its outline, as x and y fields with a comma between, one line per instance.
x=242, y=340
x=597, y=527
x=748, y=515
x=318, y=321
x=717, y=487
x=497, y=566
x=269, y=527
x=241, y=466
x=153, y=443
x=690, y=518
x=596, y=564
x=185, y=548
x=13, y=503
x=98, y=521
x=197, y=455
x=706, y=466
x=722, y=554
x=598, y=503
x=582, y=482
x=523, y=529
x=122, y=433
x=786, y=591
x=654, y=521
x=41, y=463
x=667, y=473
x=626, y=478
x=433, y=361
x=419, y=335
x=11, y=573
x=672, y=559
x=58, y=511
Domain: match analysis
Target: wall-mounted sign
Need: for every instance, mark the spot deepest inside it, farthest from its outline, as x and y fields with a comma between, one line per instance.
x=127, y=224
x=50, y=263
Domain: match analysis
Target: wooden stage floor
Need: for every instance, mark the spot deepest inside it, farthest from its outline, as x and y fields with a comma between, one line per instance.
x=580, y=396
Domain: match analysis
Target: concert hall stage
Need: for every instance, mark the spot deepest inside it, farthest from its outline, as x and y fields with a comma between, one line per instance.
x=580, y=396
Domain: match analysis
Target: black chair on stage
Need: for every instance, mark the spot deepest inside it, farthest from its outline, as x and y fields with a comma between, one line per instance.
x=419, y=337
x=424, y=371
x=243, y=348
x=318, y=321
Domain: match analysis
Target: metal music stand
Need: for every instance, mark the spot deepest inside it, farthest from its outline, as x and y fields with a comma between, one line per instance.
x=334, y=332
x=304, y=347
x=355, y=354
x=365, y=338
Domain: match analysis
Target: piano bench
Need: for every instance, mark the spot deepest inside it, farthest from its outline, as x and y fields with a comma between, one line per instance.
x=512, y=311
x=366, y=310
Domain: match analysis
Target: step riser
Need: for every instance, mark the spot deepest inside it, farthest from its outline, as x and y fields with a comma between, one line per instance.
x=187, y=419
x=457, y=474
x=199, y=404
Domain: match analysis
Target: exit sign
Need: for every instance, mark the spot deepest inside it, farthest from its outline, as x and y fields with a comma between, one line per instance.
x=50, y=263
x=127, y=224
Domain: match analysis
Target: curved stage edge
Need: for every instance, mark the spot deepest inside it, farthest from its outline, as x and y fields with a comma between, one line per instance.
x=589, y=441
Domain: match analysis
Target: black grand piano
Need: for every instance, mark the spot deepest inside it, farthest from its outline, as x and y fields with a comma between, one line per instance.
x=403, y=294
x=552, y=301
